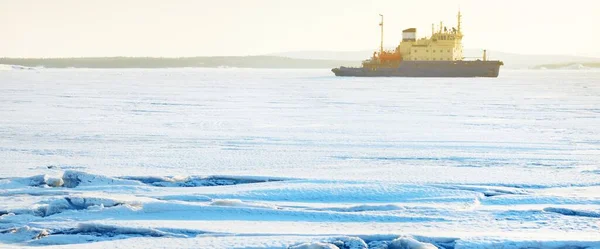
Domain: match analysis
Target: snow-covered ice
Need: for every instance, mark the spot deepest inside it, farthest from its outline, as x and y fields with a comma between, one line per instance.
x=248, y=158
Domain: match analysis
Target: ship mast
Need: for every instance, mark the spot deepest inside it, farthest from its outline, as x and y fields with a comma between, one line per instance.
x=459, y=21
x=381, y=43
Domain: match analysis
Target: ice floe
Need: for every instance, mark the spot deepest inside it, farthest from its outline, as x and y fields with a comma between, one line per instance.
x=199, y=158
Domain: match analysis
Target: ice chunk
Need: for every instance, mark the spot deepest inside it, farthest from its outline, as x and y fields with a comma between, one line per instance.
x=187, y=198
x=362, y=208
x=74, y=179
x=55, y=182
x=84, y=202
x=71, y=179
x=573, y=212
x=24, y=233
x=5, y=67
x=112, y=231
x=71, y=203
x=409, y=243
x=315, y=245
x=239, y=203
x=199, y=181
x=54, y=207
x=378, y=245
x=350, y=243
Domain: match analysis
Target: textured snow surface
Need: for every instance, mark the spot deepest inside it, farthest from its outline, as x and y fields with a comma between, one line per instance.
x=240, y=158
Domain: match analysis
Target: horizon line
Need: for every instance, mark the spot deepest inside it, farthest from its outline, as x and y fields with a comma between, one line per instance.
x=273, y=54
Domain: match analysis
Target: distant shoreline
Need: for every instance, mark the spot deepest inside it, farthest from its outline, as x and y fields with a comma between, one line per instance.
x=274, y=62
x=184, y=62
x=574, y=65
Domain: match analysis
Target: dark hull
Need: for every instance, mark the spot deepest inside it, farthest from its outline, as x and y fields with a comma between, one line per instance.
x=427, y=69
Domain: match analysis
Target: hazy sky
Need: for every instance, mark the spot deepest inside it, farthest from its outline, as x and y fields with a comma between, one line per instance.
x=65, y=28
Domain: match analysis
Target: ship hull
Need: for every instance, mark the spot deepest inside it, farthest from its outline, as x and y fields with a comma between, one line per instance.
x=427, y=69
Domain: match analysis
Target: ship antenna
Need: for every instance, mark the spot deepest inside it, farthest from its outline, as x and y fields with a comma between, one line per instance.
x=381, y=44
x=459, y=21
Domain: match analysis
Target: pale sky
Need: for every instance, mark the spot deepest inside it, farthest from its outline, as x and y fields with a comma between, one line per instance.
x=76, y=28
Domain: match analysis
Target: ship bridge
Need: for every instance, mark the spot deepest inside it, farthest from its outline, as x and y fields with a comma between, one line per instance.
x=444, y=44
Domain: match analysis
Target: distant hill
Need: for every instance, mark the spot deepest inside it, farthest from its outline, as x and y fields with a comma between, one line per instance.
x=327, y=55
x=153, y=62
x=575, y=65
x=299, y=59
x=522, y=61
x=510, y=60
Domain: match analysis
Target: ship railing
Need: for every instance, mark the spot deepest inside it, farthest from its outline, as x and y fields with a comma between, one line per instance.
x=474, y=58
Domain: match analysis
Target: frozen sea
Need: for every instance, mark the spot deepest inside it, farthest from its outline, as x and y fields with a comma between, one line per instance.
x=249, y=158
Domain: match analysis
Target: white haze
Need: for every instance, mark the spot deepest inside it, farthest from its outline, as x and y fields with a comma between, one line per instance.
x=65, y=28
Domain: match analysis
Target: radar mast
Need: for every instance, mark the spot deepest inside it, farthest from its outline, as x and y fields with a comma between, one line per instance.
x=459, y=21
x=381, y=43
